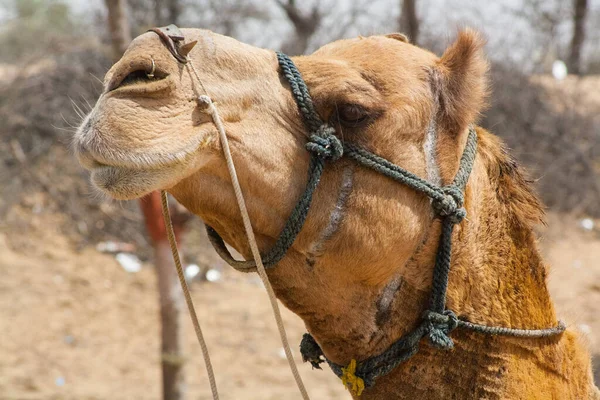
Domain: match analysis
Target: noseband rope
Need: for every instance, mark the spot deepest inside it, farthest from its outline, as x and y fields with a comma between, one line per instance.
x=448, y=205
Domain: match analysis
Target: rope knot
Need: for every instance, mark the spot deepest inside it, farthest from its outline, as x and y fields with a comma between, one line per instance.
x=325, y=144
x=353, y=383
x=450, y=205
x=311, y=351
x=439, y=327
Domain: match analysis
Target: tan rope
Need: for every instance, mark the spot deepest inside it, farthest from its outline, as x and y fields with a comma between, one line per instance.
x=186, y=293
x=212, y=111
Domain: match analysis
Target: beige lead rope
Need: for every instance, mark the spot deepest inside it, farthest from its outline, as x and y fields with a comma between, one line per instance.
x=254, y=246
x=209, y=107
x=186, y=293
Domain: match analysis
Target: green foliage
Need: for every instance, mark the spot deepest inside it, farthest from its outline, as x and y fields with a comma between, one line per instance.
x=39, y=27
x=27, y=8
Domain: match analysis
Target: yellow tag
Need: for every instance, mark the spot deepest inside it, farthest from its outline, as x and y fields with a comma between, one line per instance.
x=352, y=382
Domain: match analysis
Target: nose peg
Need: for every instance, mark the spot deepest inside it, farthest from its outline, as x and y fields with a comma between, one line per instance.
x=171, y=36
x=185, y=49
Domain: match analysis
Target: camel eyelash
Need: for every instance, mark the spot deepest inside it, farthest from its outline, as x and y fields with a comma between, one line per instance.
x=353, y=115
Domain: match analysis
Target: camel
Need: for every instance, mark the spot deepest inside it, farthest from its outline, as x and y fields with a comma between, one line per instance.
x=360, y=271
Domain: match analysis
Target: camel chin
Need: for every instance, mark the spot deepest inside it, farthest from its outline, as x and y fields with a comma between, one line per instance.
x=126, y=183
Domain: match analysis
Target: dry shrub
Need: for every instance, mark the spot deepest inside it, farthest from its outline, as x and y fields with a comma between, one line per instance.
x=38, y=172
x=552, y=129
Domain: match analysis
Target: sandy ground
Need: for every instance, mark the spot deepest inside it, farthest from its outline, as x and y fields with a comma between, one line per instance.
x=75, y=325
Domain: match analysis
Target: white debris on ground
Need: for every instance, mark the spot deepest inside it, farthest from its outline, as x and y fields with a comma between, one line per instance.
x=129, y=262
x=191, y=271
x=213, y=275
x=559, y=70
x=281, y=353
x=115, y=247
x=587, y=224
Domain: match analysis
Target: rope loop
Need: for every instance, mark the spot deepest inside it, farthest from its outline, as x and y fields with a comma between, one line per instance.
x=325, y=144
x=439, y=326
x=450, y=204
x=311, y=351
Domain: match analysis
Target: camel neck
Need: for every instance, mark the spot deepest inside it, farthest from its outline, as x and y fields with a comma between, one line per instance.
x=499, y=282
x=497, y=278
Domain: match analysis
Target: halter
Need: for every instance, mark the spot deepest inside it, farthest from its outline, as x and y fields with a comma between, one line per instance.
x=447, y=202
x=437, y=322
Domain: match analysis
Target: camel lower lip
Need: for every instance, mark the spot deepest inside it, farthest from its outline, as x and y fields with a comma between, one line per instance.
x=105, y=176
x=124, y=183
x=120, y=183
x=95, y=161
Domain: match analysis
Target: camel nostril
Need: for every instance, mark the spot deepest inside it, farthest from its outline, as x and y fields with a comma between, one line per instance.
x=139, y=76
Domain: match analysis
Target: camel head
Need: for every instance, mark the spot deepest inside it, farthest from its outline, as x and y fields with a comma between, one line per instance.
x=363, y=231
x=146, y=132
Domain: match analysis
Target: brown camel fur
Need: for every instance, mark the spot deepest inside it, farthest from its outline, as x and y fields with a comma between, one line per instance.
x=359, y=274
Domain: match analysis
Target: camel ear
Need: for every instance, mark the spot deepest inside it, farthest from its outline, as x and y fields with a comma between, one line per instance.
x=398, y=36
x=461, y=81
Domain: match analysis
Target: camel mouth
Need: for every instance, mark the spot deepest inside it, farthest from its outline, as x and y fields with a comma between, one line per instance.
x=93, y=160
x=127, y=175
x=93, y=154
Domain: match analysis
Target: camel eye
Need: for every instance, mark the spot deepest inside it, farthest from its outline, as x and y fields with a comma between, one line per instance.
x=351, y=114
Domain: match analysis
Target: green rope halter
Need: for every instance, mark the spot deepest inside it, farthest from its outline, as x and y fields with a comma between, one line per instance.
x=447, y=202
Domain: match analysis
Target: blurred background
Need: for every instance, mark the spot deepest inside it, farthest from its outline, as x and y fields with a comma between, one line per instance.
x=82, y=312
